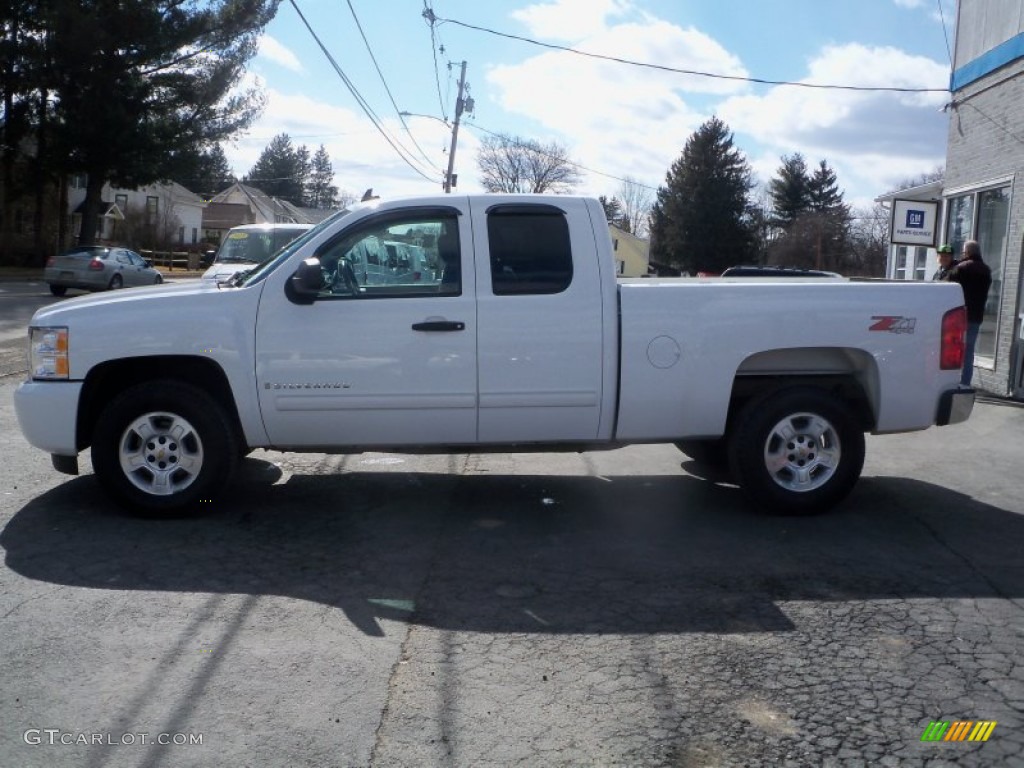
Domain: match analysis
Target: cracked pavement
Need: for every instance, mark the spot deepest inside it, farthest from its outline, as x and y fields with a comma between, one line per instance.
x=611, y=609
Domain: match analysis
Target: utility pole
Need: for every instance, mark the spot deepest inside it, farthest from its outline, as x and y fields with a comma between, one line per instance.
x=460, y=104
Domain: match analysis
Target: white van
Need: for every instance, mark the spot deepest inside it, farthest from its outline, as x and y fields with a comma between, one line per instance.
x=248, y=246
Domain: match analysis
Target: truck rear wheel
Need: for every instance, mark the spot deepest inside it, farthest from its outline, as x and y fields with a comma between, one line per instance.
x=797, y=451
x=163, y=447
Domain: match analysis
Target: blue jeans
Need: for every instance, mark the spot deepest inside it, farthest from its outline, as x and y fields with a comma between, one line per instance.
x=972, y=339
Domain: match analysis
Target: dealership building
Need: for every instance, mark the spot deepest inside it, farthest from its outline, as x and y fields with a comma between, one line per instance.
x=982, y=195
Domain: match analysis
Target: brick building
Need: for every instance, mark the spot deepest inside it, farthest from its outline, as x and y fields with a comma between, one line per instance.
x=982, y=195
x=983, y=189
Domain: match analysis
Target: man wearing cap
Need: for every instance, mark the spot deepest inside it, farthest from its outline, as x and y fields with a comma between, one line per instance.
x=975, y=278
x=946, y=263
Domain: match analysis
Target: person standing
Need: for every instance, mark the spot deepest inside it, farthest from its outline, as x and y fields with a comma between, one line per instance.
x=975, y=279
x=946, y=263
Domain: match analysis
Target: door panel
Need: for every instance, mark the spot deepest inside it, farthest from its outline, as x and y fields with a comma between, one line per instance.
x=381, y=357
x=541, y=323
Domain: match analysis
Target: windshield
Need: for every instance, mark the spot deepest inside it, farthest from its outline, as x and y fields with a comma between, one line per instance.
x=254, y=247
x=255, y=275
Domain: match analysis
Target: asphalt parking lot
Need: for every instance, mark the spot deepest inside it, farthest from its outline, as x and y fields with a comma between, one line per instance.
x=607, y=609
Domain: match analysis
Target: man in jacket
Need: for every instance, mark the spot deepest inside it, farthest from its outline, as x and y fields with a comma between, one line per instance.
x=975, y=278
x=946, y=263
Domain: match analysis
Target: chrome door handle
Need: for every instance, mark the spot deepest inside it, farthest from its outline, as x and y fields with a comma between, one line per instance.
x=439, y=325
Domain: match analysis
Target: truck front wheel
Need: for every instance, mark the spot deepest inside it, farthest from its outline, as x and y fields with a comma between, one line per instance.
x=163, y=447
x=797, y=451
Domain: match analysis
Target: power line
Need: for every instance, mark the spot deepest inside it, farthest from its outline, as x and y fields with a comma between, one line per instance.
x=373, y=58
x=367, y=110
x=996, y=123
x=428, y=14
x=945, y=34
x=696, y=73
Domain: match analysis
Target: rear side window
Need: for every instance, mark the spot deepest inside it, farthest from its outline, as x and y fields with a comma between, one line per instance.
x=284, y=236
x=530, y=252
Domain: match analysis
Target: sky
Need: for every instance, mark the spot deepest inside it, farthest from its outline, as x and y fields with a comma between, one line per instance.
x=616, y=120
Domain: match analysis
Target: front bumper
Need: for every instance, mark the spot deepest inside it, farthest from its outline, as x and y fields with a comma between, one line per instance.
x=955, y=406
x=47, y=412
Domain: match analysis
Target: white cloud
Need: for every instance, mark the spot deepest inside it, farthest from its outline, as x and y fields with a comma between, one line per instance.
x=911, y=3
x=271, y=49
x=620, y=119
x=360, y=156
x=872, y=139
x=570, y=19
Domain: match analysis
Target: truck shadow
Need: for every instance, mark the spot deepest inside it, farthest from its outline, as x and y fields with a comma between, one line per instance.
x=529, y=553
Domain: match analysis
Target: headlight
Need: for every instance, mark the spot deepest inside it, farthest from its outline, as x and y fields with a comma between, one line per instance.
x=48, y=352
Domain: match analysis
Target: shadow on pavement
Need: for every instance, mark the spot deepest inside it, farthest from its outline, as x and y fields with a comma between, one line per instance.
x=533, y=554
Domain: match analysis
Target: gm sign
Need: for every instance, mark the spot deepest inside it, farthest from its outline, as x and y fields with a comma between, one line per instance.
x=914, y=222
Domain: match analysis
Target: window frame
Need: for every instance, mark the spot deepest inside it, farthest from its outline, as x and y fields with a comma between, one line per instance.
x=382, y=220
x=995, y=261
x=500, y=211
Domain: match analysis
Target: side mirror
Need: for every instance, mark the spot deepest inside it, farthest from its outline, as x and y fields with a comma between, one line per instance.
x=308, y=280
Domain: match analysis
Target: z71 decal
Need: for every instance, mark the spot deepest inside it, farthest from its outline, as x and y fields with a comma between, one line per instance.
x=893, y=323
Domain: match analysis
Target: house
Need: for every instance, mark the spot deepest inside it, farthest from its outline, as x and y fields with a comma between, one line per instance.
x=632, y=253
x=163, y=214
x=241, y=204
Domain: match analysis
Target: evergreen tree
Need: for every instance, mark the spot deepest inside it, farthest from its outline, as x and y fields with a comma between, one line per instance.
x=321, y=191
x=790, y=190
x=833, y=219
x=823, y=193
x=281, y=170
x=24, y=113
x=205, y=172
x=612, y=210
x=303, y=167
x=698, y=221
x=816, y=235
x=137, y=81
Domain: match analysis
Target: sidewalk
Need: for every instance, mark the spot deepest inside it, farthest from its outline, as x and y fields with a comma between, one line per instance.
x=18, y=274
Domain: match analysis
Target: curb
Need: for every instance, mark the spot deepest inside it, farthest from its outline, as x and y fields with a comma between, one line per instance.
x=8, y=275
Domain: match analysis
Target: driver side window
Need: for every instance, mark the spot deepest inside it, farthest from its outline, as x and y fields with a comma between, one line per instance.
x=392, y=256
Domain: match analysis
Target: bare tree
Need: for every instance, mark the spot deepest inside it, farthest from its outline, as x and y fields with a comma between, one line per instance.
x=636, y=201
x=936, y=174
x=512, y=164
x=870, y=241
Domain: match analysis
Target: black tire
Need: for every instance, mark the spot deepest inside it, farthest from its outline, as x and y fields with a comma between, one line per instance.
x=164, y=448
x=159, y=279
x=58, y=290
x=796, y=451
x=115, y=282
x=710, y=453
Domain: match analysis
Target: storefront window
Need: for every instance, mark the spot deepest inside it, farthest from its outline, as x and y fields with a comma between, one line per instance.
x=920, y=262
x=901, y=263
x=983, y=216
x=960, y=223
x=993, y=220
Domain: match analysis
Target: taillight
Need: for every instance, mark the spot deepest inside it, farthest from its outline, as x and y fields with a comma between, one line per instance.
x=51, y=261
x=95, y=265
x=954, y=337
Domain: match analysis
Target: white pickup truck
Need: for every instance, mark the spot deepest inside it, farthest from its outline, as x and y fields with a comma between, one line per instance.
x=510, y=332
